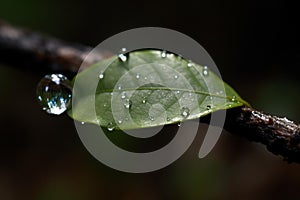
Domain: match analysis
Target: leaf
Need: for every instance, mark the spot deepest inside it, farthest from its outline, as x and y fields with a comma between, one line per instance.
x=147, y=88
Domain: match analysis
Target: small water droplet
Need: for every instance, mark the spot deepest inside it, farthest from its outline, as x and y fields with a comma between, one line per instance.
x=82, y=123
x=101, y=75
x=179, y=124
x=54, y=93
x=110, y=126
x=205, y=71
x=111, y=94
x=233, y=98
x=123, y=95
x=123, y=57
x=105, y=105
x=185, y=112
x=163, y=54
x=120, y=121
x=176, y=76
x=151, y=118
x=137, y=76
x=177, y=92
x=144, y=100
x=119, y=87
x=208, y=107
x=123, y=49
x=146, y=78
x=190, y=64
x=127, y=104
x=168, y=119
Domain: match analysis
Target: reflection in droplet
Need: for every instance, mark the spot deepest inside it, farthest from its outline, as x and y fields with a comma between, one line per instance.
x=54, y=93
x=185, y=112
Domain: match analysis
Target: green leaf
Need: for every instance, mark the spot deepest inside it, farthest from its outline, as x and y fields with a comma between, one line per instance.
x=147, y=90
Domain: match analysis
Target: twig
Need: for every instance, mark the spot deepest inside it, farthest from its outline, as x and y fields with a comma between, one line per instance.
x=24, y=48
x=40, y=53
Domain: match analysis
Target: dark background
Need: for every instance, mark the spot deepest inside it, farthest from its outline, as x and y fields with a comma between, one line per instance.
x=255, y=44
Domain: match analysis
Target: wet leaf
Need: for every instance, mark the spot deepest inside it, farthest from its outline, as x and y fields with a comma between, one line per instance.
x=148, y=88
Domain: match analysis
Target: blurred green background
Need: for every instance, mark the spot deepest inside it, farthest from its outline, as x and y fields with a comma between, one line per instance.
x=256, y=47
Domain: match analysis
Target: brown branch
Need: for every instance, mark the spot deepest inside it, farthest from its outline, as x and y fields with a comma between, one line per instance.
x=36, y=52
x=280, y=135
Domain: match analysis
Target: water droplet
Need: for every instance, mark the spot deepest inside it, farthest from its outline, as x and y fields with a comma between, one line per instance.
x=127, y=104
x=185, y=112
x=146, y=78
x=54, y=93
x=190, y=64
x=101, y=75
x=119, y=87
x=168, y=119
x=123, y=49
x=104, y=105
x=82, y=123
x=208, y=107
x=123, y=95
x=144, y=100
x=120, y=121
x=179, y=124
x=176, y=76
x=123, y=57
x=205, y=71
x=233, y=98
x=177, y=92
x=151, y=118
x=163, y=54
x=137, y=76
x=110, y=126
x=111, y=94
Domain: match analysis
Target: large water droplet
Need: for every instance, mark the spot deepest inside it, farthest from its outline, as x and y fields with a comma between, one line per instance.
x=185, y=112
x=110, y=126
x=54, y=93
x=205, y=71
